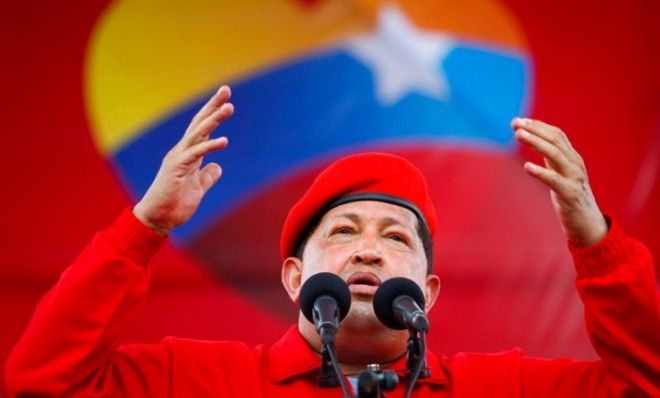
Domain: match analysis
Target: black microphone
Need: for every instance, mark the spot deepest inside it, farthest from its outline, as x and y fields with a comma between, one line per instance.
x=325, y=301
x=398, y=304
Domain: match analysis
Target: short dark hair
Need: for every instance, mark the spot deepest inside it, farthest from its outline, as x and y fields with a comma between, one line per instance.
x=422, y=232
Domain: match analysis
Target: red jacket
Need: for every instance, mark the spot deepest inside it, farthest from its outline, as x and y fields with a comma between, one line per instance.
x=67, y=348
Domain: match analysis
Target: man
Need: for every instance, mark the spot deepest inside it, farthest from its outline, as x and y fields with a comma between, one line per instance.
x=366, y=218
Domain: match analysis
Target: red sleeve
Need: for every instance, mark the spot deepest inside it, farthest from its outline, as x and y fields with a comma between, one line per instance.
x=617, y=283
x=67, y=347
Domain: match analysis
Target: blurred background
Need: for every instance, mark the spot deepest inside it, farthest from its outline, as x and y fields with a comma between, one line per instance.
x=95, y=92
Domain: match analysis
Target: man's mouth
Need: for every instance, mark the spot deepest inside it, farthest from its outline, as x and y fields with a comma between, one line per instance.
x=363, y=283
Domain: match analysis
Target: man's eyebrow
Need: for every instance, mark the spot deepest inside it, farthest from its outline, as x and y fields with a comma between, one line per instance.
x=351, y=216
x=392, y=221
x=386, y=220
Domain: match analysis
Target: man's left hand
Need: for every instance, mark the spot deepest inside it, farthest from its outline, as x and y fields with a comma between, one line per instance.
x=566, y=176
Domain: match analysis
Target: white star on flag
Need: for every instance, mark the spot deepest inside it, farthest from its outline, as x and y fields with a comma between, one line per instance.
x=403, y=58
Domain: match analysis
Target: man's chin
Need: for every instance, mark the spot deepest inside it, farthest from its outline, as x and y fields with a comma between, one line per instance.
x=361, y=316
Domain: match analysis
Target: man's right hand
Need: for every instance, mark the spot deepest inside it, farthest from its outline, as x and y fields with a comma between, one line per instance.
x=180, y=184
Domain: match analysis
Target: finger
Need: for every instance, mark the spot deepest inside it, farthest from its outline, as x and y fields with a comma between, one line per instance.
x=216, y=101
x=555, y=157
x=196, y=152
x=549, y=177
x=207, y=126
x=569, y=194
x=548, y=132
x=209, y=175
x=553, y=135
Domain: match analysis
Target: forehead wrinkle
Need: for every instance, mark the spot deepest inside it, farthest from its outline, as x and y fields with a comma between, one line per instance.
x=351, y=216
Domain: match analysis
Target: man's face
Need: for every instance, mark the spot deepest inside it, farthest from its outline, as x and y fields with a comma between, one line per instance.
x=366, y=243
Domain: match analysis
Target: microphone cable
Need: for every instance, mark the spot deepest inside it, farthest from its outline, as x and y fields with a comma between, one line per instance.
x=414, y=375
x=330, y=347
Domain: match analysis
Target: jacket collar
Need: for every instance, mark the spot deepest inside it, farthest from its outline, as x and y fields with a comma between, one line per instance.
x=292, y=357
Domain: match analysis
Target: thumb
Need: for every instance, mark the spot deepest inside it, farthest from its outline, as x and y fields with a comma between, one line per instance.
x=209, y=175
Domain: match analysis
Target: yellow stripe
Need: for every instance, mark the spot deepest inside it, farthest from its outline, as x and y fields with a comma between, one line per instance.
x=147, y=57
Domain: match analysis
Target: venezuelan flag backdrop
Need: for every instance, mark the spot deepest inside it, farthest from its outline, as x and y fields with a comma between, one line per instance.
x=94, y=92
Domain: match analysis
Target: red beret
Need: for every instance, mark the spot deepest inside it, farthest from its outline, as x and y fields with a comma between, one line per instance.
x=365, y=176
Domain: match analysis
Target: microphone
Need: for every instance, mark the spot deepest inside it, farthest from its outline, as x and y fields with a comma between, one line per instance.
x=325, y=301
x=398, y=304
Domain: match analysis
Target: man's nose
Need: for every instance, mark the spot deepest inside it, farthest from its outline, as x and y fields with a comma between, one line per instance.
x=368, y=253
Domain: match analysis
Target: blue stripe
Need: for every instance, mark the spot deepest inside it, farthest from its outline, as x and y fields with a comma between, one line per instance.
x=300, y=111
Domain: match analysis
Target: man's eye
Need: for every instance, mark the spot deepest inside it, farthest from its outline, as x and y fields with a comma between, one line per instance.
x=396, y=237
x=343, y=230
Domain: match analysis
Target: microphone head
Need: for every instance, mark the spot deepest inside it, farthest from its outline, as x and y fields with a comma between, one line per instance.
x=387, y=292
x=324, y=283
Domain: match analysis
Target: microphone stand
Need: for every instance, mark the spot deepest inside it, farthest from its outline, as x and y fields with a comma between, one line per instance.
x=415, y=355
x=416, y=362
x=330, y=371
x=331, y=374
x=372, y=381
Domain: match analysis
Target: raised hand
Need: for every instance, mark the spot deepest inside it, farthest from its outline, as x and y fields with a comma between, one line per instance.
x=566, y=175
x=180, y=184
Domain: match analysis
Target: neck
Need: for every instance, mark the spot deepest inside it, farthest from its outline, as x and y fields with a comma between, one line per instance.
x=359, y=344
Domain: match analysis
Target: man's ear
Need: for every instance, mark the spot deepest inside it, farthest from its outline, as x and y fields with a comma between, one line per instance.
x=431, y=290
x=292, y=277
